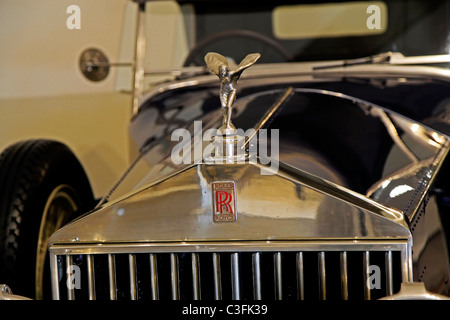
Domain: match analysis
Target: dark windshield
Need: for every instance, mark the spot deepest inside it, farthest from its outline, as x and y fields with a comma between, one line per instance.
x=236, y=28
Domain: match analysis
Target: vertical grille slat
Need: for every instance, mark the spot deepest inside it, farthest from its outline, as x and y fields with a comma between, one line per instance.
x=344, y=275
x=195, y=276
x=154, y=277
x=112, y=277
x=256, y=270
x=300, y=276
x=174, y=276
x=366, y=264
x=257, y=275
x=278, y=276
x=322, y=277
x=217, y=277
x=133, y=278
x=235, y=279
x=389, y=274
x=70, y=289
x=91, y=277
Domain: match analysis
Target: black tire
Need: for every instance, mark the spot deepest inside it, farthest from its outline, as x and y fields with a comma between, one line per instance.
x=42, y=187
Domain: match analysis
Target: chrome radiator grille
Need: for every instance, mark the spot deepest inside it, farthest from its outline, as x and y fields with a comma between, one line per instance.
x=149, y=273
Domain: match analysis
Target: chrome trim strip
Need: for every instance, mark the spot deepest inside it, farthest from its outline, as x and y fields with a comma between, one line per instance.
x=256, y=268
x=278, y=276
x=247, y=246
x=154, y=276
x=112, y=276
x=344, y=275
x=301, y=72
x=217, y=277
x=196, y=276
x=91, y=276
x=393, y=133
x=286, y=94
x=133, y=279
x=388, y=72
x=407, y=264
x=175, y=284
x=437, y=163
x=235, y=280
x=300, y=277
x=334, y=190
x=322, y=277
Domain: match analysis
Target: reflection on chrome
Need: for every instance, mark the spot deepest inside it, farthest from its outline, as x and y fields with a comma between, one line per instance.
x=399, y=190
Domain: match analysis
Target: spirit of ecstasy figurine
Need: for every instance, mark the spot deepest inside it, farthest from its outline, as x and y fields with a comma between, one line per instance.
x=218, y=64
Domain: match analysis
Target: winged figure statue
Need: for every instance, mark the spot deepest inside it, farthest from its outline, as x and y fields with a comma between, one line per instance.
x=218, y=64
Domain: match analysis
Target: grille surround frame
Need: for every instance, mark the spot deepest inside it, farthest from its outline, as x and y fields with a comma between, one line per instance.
x=401, y=247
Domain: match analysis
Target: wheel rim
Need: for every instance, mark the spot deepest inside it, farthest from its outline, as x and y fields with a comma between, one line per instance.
x=59, y=207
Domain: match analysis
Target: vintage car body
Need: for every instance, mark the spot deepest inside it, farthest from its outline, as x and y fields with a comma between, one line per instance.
x=340, y=192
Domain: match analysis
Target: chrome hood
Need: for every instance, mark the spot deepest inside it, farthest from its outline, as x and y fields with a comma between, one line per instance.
x=290, y=205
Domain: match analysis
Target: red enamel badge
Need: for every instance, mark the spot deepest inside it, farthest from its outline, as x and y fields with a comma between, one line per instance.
x=224, y=195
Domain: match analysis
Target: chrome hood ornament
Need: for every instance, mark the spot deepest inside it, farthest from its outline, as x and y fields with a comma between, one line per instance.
x=218, y=64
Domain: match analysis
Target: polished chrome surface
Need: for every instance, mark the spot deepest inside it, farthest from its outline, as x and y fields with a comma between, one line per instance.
x=155, y=163
x=134, y=211
x=406, y=188
x=292, y=205
x=218, y=64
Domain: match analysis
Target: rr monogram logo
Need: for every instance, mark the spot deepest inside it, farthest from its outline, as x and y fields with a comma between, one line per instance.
x=224, y=195
x=223, y=199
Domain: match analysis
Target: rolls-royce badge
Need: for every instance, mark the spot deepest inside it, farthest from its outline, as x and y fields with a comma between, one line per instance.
x=224, y=199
